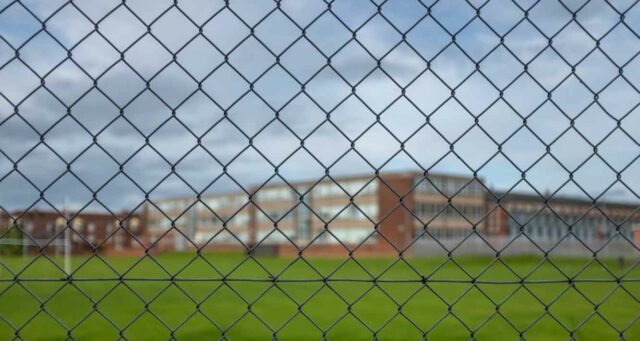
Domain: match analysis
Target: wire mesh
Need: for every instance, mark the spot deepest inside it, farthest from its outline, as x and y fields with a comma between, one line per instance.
x=121, y=104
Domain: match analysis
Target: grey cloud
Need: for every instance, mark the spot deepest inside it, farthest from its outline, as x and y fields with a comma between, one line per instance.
x=250, y=114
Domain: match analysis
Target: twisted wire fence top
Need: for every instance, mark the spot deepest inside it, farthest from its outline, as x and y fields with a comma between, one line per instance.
x=287, y=123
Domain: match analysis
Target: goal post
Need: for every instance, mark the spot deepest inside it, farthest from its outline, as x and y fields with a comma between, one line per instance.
x=25, y=243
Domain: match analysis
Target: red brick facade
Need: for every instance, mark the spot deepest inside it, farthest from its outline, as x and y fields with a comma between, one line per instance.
x=396, y=222
x=45, y=231
x=403, y=208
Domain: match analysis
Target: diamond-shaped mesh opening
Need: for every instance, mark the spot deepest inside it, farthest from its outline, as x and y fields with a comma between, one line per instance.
x=319, y=169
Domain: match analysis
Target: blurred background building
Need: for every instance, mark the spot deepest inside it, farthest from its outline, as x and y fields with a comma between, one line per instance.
x=31, y=231
x=587, y=221
x=384, y=215
x=379, y=216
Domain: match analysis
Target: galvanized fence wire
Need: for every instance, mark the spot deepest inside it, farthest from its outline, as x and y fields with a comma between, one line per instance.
x=428, y=12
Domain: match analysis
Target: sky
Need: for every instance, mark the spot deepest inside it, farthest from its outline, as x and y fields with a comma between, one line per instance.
x=123, y=93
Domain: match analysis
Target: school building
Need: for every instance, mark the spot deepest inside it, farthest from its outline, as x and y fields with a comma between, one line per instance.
x=376, y=216
x=365, y=214
x=38, y=230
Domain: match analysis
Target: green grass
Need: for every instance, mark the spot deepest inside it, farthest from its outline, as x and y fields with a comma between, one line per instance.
x=374, y=306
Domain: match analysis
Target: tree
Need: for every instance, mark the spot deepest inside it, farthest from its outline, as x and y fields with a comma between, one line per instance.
x=9, y=234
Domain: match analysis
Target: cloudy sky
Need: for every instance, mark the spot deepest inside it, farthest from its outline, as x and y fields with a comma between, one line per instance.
x=108, y=86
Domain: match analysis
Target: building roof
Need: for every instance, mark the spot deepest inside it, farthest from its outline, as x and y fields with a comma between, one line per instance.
x=324, y=179
x=38, y=211
x=559, y=199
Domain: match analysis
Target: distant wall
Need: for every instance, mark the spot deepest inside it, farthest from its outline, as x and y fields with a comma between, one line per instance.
x=524, y=247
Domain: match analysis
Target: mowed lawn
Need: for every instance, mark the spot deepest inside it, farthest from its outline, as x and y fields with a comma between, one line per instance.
x=409, y=299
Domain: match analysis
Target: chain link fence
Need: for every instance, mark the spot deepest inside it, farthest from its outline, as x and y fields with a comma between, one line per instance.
x=319, y=169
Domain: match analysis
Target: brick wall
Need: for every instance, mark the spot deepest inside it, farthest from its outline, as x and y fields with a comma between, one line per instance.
x=395, y=220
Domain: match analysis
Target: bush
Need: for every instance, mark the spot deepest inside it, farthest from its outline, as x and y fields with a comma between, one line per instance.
x=14, y=233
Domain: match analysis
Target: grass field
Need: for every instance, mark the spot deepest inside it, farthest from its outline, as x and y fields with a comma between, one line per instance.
x=198, y=296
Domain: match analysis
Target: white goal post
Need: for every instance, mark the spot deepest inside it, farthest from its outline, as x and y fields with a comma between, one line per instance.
x=26, y=242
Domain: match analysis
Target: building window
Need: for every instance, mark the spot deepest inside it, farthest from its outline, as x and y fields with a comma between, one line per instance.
x=240, y=219
x=275, y=194
x=91, y=232
x=332, y=190
x=274, y=215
